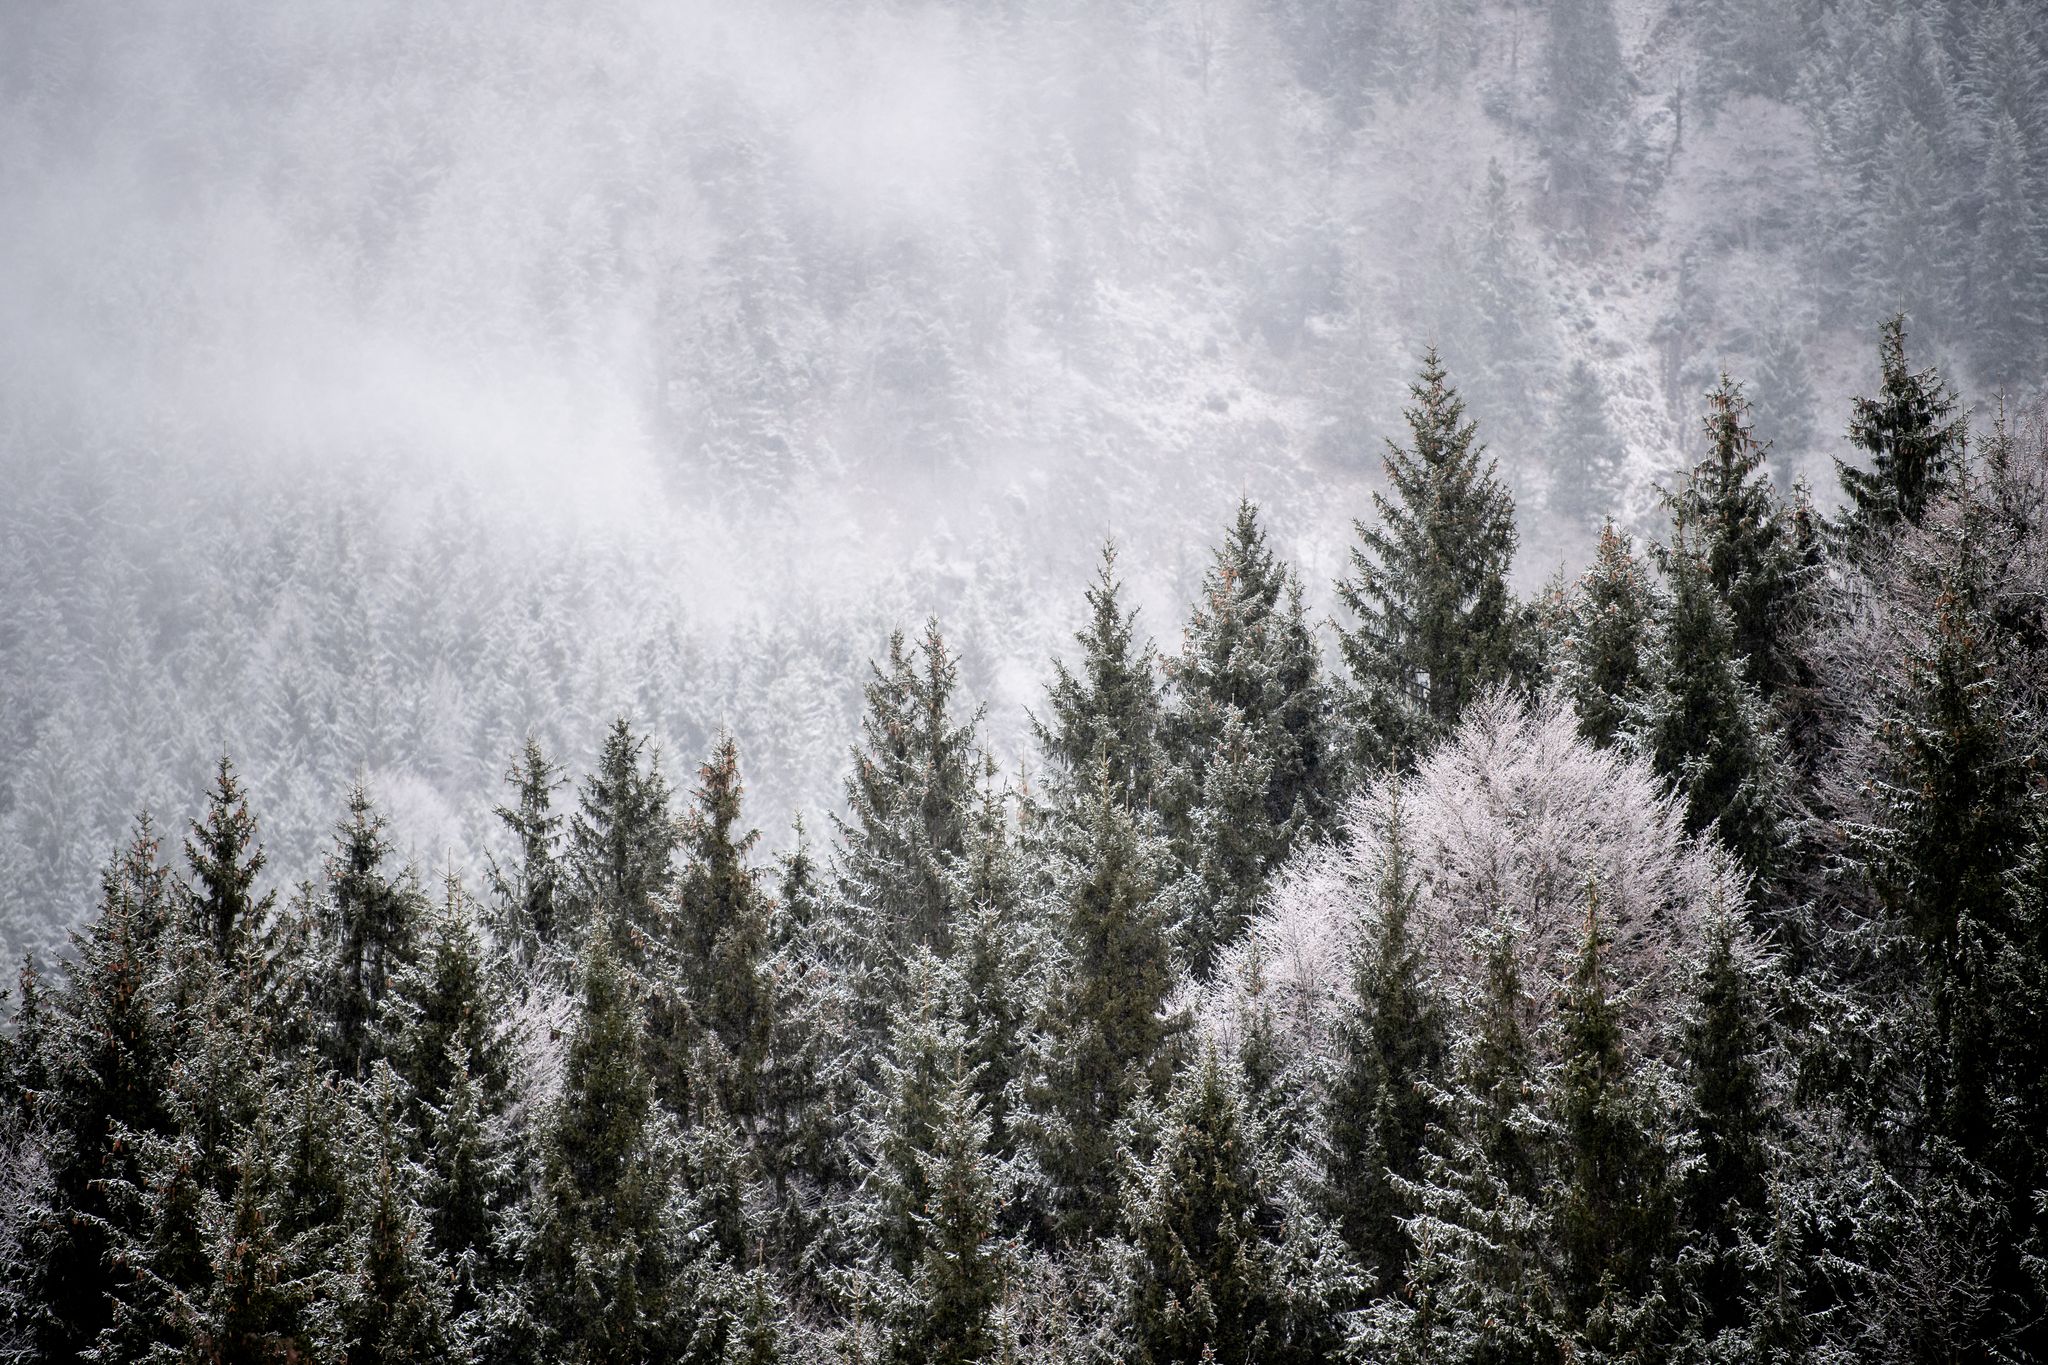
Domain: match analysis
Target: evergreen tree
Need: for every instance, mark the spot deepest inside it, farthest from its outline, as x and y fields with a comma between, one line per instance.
x=110, y=1048
x=1249, y=651
x=925, y=1057
x=395, y=1305
x=1391, y=1063
x=997, y=951
x=958, y=1280
x=1108, y=708
x=1702, y=723
x=1203, y=1282
x=1605, y=658
x=621, y=840
x=724, y=932
x=369, y=930
x=529, y=896
x=1913, y=435
x=609, y=1267
x=1108, y=1025
x=225, y=859
x=1612, y=1204
x=1724, y=1193
x=448, y=1003
x=911, y=795
x=1482, y=1278
x=1233, y=843
x=1738, y=529
x=2007, y=262
x=1429, y=584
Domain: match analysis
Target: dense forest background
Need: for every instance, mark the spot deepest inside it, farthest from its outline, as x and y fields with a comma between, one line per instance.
x=1196, y=682
x=381, y=385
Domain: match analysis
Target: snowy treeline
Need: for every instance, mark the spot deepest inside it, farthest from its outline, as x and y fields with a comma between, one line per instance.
x=1648, y=968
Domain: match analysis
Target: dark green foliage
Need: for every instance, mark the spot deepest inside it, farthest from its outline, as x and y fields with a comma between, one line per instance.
x=108, y=1052
x=1702, y=722
x=1752, y=557
x=368, y=932
x=1107, y=709
x=723, y=934
x=621, y=840
x=958, y=1280
x=1612, y=1205
x=1911, y=433
x=225, y=859
x=1109, y=1032
x=910, y=798
x=1434, y=623
x=1249, y=653
x=1603, y=662
x=529, y=900
x=610, y=1272
x=1724, y=1195
x=1203, y=1279
x=1386, y=1094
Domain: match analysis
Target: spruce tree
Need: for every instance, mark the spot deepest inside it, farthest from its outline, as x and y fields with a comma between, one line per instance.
x=1390, y=1072
x=1202, y=1282
x=1482, y=1278
x=1249, y=652
x=621, y=840
x=910, y=797
x=395, y=1306
x=111, y=1045
x=957, y=1283
x=1107, y=708
x=448, y=1002
x=1612, y=1207
x=609, y=1268
x=226, y=859
x=529, y=895
x=1703, y=724
x=370, y=923
x=1724, y=1192
x=925, y=1056
x=1913, y=435
x=1109, y=1029
x=1232, y=845
x=724, y=929
x=1737, y=527
x=1434, y=623
x=1604, y=661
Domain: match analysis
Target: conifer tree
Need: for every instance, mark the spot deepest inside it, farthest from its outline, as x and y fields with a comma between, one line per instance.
x=926, y=1055
x=395, y=1305
x=1603, y=663
x=609, y=1269
x=621, y=840
x=723, y=925
x=1482, y=1277
x=1612, y=1204
x=1428, y=590
x=1233, y=843
x=1107, y=708
x=911, y=795
x=1913, y=436
x=369, y=931
x=2007, y=262
x=448, y=1002
x=1702, y=723
x=1738, y=529
x=1203, y=1282
x=997, y=952
x=1724, y=1194
x=226, y=859
x=111, y=1044
x=1384, y=1097
x=957, y=1283
x=1109, y=1029
x=1250, y=652
x=529, y=896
